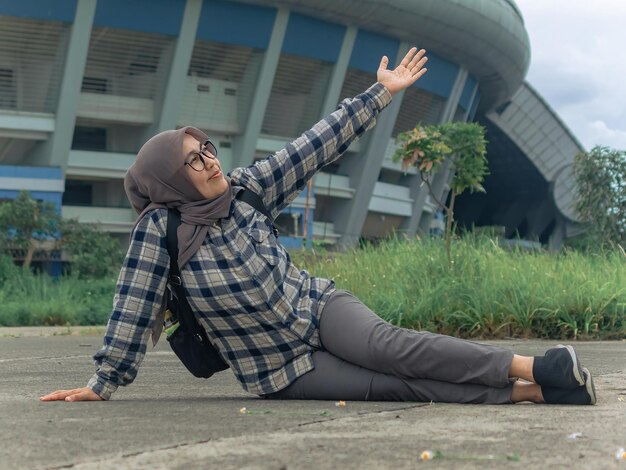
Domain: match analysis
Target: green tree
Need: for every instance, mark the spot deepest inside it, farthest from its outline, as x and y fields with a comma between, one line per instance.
x=29, y=225
x=93, y=253
x=600, y=176
x=427, y=147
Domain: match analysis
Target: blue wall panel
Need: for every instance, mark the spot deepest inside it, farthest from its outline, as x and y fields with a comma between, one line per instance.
x=10, y=171
x=313, y=38
x=439, y=78
x=369, y=48
x=236, y=23
x=147, y=16
x=32, y=172
x=466, y=96
x=62, y=10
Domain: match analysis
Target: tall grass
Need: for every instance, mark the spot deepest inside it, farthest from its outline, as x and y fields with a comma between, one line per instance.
x=487, y=291
x=27, y=299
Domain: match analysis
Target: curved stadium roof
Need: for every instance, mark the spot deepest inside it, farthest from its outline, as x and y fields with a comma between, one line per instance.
x=537, y=130
x=487, y=37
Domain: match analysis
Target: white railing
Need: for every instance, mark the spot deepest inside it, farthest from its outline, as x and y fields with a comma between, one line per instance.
x=109, y=219
x=391, y=199
x=98, y=164
x=326, y=184
x=115, y=108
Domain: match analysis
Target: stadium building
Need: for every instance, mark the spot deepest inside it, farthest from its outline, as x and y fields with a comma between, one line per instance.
x=83, y=83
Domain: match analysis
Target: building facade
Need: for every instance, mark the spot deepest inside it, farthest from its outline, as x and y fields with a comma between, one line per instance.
x=83, y=83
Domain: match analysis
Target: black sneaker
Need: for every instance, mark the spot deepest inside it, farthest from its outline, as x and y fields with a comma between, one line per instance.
x=584, y=395
x=559, y=368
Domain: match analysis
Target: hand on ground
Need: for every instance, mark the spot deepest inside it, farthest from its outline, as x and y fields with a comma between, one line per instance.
x=78, y=394
x=405, y=74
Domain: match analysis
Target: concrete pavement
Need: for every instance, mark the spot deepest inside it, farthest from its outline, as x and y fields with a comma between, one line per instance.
x=169, y=419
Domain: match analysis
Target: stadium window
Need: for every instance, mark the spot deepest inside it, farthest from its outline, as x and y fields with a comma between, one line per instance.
x=7, y=89
x=95, y=85
x=78, y=193
x=143, y=63
x=89, y=138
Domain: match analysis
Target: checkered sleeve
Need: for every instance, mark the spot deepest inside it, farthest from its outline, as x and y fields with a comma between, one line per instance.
x=280, y=177
x=138, y=298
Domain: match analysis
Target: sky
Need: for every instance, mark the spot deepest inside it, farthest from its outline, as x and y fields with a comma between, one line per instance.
x=578, y=64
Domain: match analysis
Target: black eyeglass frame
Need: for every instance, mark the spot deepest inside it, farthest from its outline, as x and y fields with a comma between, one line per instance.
x=207, y=150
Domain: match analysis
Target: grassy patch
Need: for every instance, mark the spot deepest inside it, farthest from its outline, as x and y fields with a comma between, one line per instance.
x=487, y=292
x=34, y=300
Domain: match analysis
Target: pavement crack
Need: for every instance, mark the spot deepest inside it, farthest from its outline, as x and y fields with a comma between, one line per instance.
x=38, y=358
x=131, y=454
x=364, y=414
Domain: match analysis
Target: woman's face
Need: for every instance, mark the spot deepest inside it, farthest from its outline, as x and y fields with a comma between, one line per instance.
x=209, y=182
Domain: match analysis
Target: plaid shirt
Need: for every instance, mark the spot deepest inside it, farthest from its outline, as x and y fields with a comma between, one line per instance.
x=260, y=312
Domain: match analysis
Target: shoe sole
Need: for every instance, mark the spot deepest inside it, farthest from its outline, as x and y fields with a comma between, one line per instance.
x=577, y=370
x=590, y=387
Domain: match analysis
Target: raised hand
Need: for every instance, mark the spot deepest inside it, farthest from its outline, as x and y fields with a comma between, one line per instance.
x=405, y=74
x=77, y=394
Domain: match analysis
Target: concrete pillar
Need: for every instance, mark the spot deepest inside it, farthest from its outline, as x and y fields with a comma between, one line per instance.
x=513, y=215
x=419, y=222
x=55, y=150
x=558, y=234
x=419, y=193
x=419, y=218
x=339, y=72
x=452, y=103
x=470, y=103
x=439, y=185
x=166, y=115
x=244, y=99
x=244, y=146
x=540, y=216
x=363, y=170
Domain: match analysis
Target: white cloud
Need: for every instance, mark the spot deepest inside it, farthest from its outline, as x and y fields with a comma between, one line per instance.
x=603, y=134
x=578, y=64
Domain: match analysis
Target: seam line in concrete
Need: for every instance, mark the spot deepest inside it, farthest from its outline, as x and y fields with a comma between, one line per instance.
x=205, y=441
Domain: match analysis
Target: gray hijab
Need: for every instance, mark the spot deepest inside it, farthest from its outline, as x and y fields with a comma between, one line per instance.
x=159, y=179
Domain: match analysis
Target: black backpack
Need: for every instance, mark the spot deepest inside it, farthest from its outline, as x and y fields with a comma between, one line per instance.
x=189, y=341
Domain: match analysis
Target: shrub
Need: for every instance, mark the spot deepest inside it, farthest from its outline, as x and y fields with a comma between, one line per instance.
x=94, y=254
x=601, y=195
x=8, y=269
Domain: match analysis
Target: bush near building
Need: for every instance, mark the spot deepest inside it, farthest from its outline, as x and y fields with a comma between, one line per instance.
x=28, y=227
x=601, y=195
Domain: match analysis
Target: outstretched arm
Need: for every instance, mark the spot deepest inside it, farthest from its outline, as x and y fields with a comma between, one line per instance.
x=279, y=178
x=138, y=298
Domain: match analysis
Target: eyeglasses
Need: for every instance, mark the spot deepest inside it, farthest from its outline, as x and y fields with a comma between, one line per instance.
x=197, y=161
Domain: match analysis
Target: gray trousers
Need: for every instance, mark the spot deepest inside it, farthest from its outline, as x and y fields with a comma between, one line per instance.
x=366, y=358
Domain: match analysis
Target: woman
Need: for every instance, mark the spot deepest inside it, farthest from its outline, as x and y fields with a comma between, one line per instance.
x=284, y=333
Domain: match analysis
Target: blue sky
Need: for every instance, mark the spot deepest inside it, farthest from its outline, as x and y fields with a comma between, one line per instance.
x=579, y=64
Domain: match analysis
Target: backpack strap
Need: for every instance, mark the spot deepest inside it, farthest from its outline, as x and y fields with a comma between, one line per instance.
x=185, y=314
